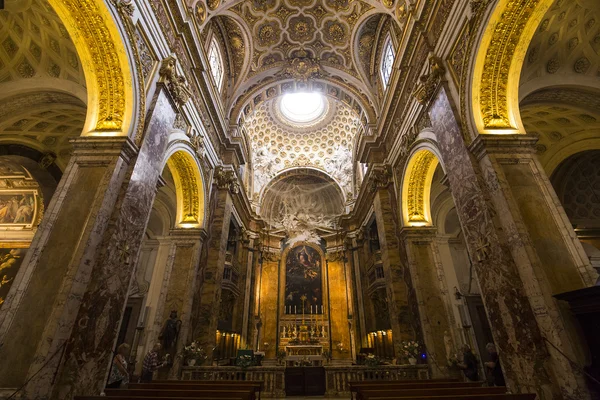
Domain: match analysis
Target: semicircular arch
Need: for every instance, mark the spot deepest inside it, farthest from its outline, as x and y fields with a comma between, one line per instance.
x=416, y=185
x=189, y=187
x=498, y=62
x=105, y=59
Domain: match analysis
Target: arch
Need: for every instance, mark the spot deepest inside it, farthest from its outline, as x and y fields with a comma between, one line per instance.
x=416, y=186
x=104, y=58
x=302, y=171
x=498, y=64
x=189, y=188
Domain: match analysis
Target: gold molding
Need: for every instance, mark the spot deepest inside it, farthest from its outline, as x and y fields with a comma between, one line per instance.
x=416, y=189
x=188, y=189
x=105, y=62
x=495, y=85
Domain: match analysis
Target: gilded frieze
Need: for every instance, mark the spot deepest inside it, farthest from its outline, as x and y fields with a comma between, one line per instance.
x=498, y=64
x=418, y=185
x=188, y=185
x=104, y=55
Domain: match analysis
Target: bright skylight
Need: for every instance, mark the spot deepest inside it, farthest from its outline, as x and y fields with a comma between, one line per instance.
x=302, y=107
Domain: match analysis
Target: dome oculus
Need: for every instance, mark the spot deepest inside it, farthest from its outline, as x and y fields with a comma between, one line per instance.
x=302, y=108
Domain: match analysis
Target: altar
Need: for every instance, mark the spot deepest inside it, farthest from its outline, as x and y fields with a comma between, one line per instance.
x=304, y=355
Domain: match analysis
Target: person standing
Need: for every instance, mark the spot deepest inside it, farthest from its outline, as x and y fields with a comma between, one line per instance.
x=151, y=363
x=118, y=371
x=469, y=364
x=494, y=371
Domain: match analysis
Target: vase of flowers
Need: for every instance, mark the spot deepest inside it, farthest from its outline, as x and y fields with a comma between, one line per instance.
x=410, y=349
x=245, y=361
x=193, y=354
x=371, y=360
x=281, y=354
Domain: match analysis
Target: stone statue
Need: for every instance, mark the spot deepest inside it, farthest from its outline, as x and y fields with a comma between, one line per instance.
x=448, y=345
x=170, y=332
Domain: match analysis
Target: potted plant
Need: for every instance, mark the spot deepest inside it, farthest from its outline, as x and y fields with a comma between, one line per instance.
x=245, y=361
x=193, y=354
x=327, y=355
x=281, y=354
x=371, y=360
x=411, y=351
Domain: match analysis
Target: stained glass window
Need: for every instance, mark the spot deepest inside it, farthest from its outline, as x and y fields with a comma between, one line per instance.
x=387, y=61
x=215, y=62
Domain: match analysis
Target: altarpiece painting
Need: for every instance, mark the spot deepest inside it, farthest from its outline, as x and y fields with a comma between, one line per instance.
x=303, y=280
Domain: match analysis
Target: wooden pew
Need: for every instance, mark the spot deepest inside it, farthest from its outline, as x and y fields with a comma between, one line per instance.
x=505, y=396
x=153, y=398
x=166, y=393
x=257, y=386
x=366, y=394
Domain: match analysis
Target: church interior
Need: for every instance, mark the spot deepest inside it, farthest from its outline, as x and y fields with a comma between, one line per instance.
x=304, y=195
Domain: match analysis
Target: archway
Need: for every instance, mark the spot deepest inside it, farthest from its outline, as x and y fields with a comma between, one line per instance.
x=189, y=188
x=416, y=187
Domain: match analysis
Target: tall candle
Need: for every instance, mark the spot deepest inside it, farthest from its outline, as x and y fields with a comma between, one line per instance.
x=295, y=311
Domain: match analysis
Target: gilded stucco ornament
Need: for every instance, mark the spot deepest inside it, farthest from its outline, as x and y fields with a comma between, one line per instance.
x=200, y=12
x=213, y=4
x=190, y=204
x=175, y=83
x=303, y=69
x=100, y=46
x=429, y=81
x=498, y=65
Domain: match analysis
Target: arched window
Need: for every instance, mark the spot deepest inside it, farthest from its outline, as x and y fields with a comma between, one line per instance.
x=216, y=62
x=387, y=60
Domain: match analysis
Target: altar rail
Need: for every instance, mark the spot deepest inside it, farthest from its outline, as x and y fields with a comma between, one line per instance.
x=336, y=377
x=273, y=377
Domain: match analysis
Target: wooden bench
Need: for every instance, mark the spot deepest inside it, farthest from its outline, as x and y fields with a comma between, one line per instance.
x=505, y=396
x=366, y=394
x=166, y=393
x=153, y=398
x=216, y=384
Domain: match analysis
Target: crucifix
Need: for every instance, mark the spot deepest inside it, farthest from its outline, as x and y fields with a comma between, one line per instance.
x=303, y=298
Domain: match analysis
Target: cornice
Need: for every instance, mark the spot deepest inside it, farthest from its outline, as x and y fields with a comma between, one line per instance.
x=509, y=145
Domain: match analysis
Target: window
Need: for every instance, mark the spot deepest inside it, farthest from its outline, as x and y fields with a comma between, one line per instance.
x=215, y=62
x=387, y=61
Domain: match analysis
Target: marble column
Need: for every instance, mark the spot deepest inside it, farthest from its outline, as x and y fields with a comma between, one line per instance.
x=400, y=292
x=357, y=288
x=209, y=294
x=338, y=306
x=520, y=314
x=428, y=279
x=181, y=282
x=62, y=324
x=269, y=294
x=248, y=291
x=155, y=299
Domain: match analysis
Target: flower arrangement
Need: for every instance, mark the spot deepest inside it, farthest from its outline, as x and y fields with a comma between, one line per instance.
x=245, y=361
x=281, y=354
x=411, y=348
x=371, y=360
x=194, y=352
x=327, y=355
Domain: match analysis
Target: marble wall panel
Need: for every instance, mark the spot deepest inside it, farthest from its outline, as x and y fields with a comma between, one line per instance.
x=210, y=292
x=514, y=324
x=403, y=305
x=45, y=268
x=338, y=307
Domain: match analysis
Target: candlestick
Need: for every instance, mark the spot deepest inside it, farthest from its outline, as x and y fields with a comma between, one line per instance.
x=295, y=311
